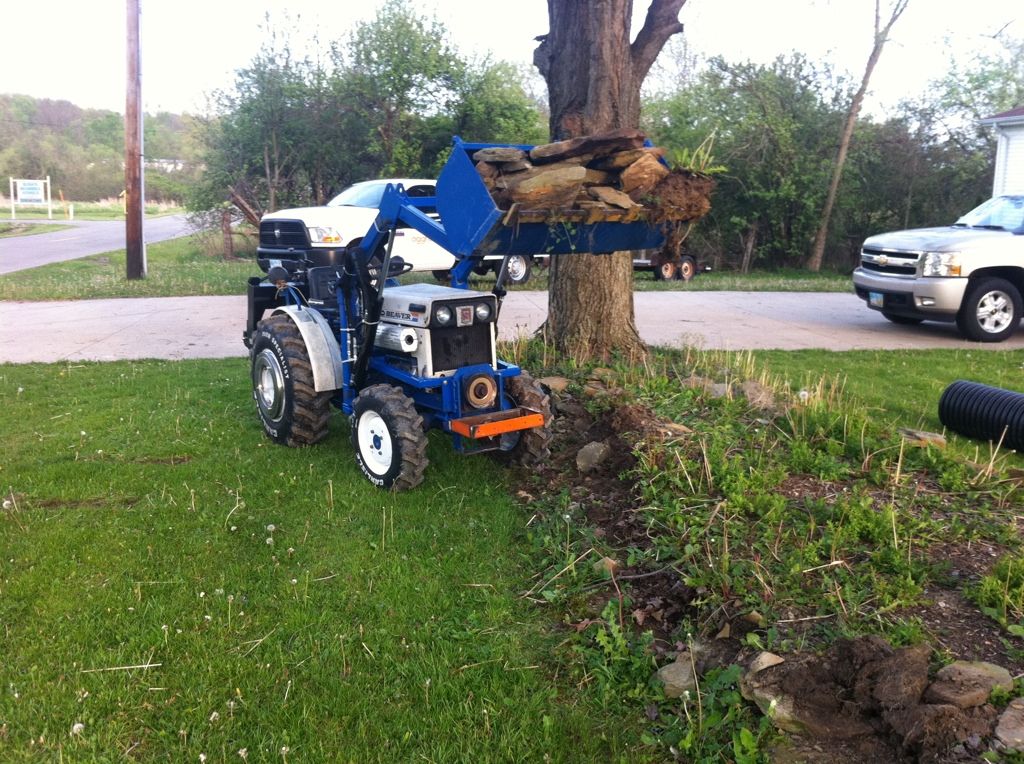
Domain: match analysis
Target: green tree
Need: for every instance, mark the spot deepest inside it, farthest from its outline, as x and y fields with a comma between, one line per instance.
x=399, y=67
x=774, y=130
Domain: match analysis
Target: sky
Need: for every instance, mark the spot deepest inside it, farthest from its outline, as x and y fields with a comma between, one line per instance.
x=75, y=50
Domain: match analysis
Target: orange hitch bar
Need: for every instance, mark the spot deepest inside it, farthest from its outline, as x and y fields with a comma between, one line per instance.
x=498, y=423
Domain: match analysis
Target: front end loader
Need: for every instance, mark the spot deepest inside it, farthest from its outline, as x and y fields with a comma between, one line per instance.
x=400, y=360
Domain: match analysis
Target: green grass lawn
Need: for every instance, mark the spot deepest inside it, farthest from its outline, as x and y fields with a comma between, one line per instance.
x=8, y=230
x=180, y=586
x=110, y=210
x=274, y=600
x=175, y=268
x=898, y=385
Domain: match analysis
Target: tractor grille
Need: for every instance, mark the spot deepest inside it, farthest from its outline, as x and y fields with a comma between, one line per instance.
x=282, y=234
x=454, y=347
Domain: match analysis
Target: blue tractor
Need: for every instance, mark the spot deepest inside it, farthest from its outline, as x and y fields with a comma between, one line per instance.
x=400, y=360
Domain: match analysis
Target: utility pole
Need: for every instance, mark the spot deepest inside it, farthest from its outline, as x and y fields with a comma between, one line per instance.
x=133, y=189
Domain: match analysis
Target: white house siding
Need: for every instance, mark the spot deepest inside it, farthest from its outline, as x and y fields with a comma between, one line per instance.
x=1009, y=175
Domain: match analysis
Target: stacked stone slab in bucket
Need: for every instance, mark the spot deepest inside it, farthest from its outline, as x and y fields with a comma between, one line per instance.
x=606, y=173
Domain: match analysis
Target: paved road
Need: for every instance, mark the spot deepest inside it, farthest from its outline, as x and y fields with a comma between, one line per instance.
x=211, y=327
x=88, y=237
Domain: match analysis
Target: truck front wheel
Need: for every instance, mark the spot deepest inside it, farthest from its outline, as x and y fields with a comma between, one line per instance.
x=290, y=409
x=519, y=268
x=388, y=437
x=990, y=311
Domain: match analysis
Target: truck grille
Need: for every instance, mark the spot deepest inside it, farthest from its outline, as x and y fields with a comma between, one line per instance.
x=282, y=234
x=889, y=263
x=454, y=347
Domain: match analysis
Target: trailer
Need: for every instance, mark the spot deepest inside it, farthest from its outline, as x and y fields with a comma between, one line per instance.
x=400, y=360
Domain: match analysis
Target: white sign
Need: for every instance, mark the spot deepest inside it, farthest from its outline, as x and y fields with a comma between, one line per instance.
x=30, y=191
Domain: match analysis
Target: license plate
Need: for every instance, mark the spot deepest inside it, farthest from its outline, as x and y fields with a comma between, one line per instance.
x=877, y=299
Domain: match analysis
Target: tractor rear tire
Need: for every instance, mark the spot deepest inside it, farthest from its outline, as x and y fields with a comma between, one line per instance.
x=292, y=412
x=388, y=438
x=531, y=447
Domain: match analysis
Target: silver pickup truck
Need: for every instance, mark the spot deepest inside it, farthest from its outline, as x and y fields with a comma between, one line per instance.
x=971, y=272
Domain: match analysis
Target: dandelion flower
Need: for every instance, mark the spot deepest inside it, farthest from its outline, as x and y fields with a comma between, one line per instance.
x=271, y=528
x=77, y=728
x=270, y=540
x=214, y=716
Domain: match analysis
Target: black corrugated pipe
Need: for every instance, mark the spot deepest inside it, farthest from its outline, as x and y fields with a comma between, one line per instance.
x=984, y=412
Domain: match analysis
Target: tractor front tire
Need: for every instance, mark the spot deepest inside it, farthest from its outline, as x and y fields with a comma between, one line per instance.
x=290, y=409
x=388, y=438
x=527, y=447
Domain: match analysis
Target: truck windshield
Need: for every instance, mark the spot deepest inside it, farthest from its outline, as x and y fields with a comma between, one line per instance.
x=360, y=195
x=1002, y=213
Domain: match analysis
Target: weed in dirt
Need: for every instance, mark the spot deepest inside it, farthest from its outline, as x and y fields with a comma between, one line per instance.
x=781, y=526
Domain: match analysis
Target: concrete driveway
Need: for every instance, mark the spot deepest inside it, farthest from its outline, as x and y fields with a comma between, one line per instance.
x=87, y=237
x=211, y=327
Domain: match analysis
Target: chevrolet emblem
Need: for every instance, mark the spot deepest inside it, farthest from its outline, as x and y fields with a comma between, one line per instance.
x=277, y=234
x=881, y=260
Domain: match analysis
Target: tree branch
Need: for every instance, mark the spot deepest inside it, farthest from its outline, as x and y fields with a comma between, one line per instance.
x=661, y=23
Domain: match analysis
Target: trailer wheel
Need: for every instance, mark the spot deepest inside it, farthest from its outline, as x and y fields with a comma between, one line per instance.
x=527, y=447
x=990, y=311
x=443, y=276
x=687, y=268
x=388, y=438
x=665, y=271
x=290, y=409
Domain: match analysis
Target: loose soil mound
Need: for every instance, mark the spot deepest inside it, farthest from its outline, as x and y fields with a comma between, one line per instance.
x=860, y=699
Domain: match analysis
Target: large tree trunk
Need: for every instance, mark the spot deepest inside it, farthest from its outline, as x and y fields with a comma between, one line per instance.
x=594, y=76
x=881, y=35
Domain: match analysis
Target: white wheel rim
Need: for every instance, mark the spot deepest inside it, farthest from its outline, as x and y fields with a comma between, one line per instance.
x=374, y=442
x=995, y=311
x=268, y=384
x=516, y=268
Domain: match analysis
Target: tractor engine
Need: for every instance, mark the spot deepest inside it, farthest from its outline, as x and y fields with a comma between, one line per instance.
x=431, y=331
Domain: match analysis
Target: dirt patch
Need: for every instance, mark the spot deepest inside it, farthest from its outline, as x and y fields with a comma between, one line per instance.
x=868, y=696
x=860, y=700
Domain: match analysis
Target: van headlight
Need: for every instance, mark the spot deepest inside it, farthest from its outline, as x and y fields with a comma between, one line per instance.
x=942, y=264
x=323, y=235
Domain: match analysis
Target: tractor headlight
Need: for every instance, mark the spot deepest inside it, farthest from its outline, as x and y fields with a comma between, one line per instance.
x=324, y=235
x=444, y=315
x=942, y=264
x=483, y=311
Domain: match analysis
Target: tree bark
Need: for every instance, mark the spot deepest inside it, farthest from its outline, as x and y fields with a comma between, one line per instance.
x=881, y=36
x=594, y=75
